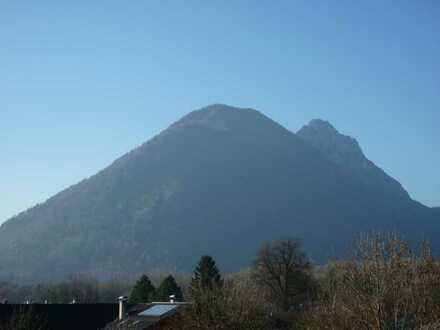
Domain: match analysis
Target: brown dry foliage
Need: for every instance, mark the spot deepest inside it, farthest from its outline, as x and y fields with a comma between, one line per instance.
x=234, y=305
x=384, y=286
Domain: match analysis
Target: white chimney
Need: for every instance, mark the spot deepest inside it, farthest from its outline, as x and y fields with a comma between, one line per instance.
x=122, y=300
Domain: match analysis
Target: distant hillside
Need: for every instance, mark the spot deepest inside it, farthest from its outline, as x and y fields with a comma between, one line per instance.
x=219, y=181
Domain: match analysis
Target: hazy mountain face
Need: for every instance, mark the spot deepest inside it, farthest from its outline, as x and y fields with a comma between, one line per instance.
x=345, y=151
x=219, y=181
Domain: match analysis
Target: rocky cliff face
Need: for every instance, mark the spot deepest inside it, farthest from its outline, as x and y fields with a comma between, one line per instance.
x=345, y=151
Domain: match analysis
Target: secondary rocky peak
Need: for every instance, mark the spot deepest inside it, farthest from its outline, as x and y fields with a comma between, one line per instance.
x=346, y=152
x=338, y=147
x=322, y=125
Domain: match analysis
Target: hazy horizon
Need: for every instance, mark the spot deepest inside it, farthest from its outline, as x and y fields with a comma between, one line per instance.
x=83, y=83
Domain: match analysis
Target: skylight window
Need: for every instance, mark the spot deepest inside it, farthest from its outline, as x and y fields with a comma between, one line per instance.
x=158, y=310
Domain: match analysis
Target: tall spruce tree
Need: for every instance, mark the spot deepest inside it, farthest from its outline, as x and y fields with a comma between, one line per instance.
x=167, y=288
x=143, y=291
x=206, y=274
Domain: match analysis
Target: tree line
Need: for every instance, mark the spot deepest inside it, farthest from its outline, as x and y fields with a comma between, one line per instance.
x=385, y=284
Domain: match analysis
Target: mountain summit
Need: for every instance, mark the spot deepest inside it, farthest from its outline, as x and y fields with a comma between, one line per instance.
x=219, y=181
x=345, y=151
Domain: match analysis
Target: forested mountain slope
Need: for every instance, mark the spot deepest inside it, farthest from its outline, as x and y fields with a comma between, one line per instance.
x=219, y=181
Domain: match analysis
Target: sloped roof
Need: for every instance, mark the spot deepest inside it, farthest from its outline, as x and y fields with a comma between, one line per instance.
x=145, y=316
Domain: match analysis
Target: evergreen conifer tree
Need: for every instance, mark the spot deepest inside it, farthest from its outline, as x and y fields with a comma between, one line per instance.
x=167, y=288
x=206, y=274
x=143, y=291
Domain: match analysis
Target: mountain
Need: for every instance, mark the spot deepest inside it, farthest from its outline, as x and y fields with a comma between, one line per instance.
x=219, y=181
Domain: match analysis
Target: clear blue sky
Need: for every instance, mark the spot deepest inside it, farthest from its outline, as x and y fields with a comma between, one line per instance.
x=83, y=82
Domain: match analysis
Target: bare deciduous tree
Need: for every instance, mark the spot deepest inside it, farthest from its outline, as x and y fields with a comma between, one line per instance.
x=230, y=306
x=384, y=286
x=284, y=270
